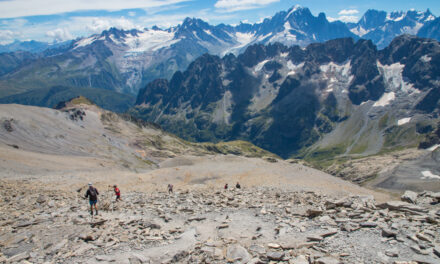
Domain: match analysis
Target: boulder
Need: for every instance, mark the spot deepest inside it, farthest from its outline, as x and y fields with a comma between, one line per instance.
x=314, y=212
x=403, y=206
x=237, y=254
x=409, y=196
x=275, y=255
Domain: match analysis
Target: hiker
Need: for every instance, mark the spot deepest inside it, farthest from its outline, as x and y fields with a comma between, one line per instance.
x=117, y=193
x=170, y=188
x=92, y=193
x=226, y=186
x=237, y=185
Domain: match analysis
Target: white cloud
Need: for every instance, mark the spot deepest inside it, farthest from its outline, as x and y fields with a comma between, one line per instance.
x=21, y=8
x=346, y=15
x=348, y=12
x=59, y=34
x=352, y=19
x=6, y=37
x=331, y=19
x=237, y=5
x=98, y=24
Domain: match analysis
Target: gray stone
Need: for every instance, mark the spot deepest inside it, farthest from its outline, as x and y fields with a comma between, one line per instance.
x=403, y=206
x=423, y=237
x=258, y=249
x=330, y=232
x=388, y=233
x=409, y=196
x=275, y=255
x=255, y=261
x=314, y=238
x=392, y=253
x=19, y=257
x=41, y=199
x=368, y=224
x=301, y=259
x=105, y=258
x=327, y=260
x=314, y=212
x=419, y=251
x=237, y=253
x=436, y=251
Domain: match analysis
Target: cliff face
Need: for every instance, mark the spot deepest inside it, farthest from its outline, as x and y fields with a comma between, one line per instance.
x=337, y=97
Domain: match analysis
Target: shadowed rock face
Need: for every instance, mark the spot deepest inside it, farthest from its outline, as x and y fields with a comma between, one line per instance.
x=286, y=98
x=430, y=30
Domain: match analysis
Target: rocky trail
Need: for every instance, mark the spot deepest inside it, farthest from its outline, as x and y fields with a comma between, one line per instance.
x=204, y=225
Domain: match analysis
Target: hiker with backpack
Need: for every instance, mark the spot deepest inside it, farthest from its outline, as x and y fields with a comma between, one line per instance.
x=117, y=193
x=170, y=188
x=92, y=193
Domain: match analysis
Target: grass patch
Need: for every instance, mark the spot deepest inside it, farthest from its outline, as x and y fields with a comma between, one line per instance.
x=81, y=100
x=383, y=121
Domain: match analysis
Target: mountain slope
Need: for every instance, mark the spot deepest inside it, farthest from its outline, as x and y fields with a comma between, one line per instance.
x=336, y=98
x=430, y=30
x=50, y=97
x=80, y=128
x=124, y=61
x=382, y=28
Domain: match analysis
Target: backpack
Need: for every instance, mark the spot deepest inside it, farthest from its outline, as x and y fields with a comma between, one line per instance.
x=93, y=194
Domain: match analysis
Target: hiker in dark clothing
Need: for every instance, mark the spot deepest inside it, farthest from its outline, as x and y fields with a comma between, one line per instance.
x=226, y=186
x=117, y=193
x=170, y=188
x=92, y=193
x=237, y=185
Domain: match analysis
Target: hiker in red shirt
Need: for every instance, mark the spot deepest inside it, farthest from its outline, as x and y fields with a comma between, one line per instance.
x=117, y=192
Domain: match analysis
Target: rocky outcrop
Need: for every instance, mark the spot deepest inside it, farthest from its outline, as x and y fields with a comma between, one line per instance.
x=285, y=99
x=250, y=225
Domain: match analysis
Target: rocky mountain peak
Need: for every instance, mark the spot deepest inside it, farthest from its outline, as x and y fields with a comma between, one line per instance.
x=372, y=18
x=286, y=98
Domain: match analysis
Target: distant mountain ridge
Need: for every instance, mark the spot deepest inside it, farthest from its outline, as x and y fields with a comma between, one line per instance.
x=124, y=61
x=340, y=97
x=382, y=27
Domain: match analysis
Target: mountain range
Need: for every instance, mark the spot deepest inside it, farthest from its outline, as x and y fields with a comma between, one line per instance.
x=340, y=97
x=124, y=61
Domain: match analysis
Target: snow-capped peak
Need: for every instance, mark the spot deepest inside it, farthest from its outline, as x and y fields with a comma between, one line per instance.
x=292, y=10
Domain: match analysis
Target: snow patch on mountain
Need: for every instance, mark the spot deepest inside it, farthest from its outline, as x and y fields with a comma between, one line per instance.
x=242, y=39
x=149, y=40
x=294, y=9
x=434, y=147
x=403, y=121
x=360, y=31
x=425, y=58
x=259, y=66
x=385, y=99
x=293, y=68
x=429, y=175
x=284, y=36
x=392, y=75
x=85, y=42
x=338, y=77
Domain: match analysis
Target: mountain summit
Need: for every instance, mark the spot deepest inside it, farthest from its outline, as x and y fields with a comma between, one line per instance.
x=124, y=61
x=338, y=97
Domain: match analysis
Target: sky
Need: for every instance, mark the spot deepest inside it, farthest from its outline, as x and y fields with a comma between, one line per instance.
x=58, y=20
